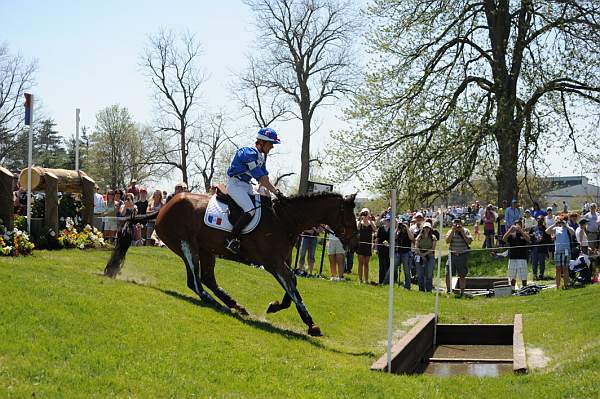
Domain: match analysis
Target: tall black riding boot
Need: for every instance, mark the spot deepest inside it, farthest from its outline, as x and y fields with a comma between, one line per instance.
x=232, y=242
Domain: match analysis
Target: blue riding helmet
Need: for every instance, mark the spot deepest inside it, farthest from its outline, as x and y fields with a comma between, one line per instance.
x=268, y=134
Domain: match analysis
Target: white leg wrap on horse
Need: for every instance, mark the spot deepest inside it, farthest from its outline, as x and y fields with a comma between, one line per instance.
x=185, y=247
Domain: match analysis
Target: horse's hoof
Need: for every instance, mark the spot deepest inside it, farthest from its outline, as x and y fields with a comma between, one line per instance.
x=274, y=306
x=315, y=331
x=241, y=310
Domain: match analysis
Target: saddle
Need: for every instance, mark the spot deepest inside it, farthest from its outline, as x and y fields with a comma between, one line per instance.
x=223, y=212
x=234, y=209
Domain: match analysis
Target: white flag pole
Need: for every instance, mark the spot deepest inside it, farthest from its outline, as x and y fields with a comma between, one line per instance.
x=77, y=140
x=391, y=271
x=439, y=272
x=29, y=164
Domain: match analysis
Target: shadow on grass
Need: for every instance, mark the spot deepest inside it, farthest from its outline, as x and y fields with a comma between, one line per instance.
x=258, y=324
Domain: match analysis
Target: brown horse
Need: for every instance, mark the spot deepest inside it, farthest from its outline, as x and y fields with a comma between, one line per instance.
x=179, y=224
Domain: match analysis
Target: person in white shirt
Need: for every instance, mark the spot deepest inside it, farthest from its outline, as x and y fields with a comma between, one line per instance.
x=592, y=227
x=528, y=221
x=99, y=209
x=581, y=235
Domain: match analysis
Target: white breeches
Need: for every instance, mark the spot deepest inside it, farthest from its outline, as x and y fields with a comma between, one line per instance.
x=239, y=191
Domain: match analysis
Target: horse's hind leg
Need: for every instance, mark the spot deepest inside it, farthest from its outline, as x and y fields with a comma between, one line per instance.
x=191, y=260
x=287, y=279
x=207, y=272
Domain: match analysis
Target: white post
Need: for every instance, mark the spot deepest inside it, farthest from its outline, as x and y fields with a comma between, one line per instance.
x=439, y=272
x=77, y=140
x=391, y=271
x=29, y=165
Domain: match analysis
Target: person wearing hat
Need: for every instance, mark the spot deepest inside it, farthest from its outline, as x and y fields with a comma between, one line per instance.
x=459, y=239
x=512, y=213
x=249, y=163
x=366, y=228
x=528, y=220
x=518, y=241
x=581, y=236
x=541, y=243
x=425, y=257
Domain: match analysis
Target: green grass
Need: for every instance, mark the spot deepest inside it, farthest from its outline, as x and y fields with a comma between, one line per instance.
x=69, y=332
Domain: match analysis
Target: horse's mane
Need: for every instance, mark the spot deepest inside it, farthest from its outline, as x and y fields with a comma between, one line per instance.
x=318, y=195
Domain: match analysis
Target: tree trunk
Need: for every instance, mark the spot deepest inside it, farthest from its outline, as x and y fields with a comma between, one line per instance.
x=305, y=154
x=507, y=138
x=183, y=156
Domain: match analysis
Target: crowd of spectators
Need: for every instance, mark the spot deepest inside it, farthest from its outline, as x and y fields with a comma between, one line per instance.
x=522, y=235
x=115, y=205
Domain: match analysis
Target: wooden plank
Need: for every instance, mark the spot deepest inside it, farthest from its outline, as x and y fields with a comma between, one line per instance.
x=519, y=355
x=6, y=198
x=409, y=352
x=51, y=202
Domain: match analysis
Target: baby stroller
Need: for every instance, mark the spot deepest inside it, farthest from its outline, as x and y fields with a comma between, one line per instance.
x=580, y=272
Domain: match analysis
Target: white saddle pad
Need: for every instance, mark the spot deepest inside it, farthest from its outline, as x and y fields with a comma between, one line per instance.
x=217, y=215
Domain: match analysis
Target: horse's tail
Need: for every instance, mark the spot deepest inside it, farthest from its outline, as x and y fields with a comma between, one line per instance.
x=123, y=242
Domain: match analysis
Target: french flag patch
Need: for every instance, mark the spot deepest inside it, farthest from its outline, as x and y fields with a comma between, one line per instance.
x=215, y=220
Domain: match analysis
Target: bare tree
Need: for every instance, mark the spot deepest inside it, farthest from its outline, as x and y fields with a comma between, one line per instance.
x=305, y=61
x=213, y=149
x=16, y=77
x=172, y=67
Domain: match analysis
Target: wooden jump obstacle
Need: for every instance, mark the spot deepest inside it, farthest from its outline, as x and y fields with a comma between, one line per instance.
x=6, y=198
x=51, y=181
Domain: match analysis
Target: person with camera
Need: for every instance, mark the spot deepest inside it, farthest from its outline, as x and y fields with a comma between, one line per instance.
x=425, y=257
x=403, y=258
x=383, y=239
x=459, y=239
x=366, y=227
x=539, y=250
x=518, y=240
x=562, y=234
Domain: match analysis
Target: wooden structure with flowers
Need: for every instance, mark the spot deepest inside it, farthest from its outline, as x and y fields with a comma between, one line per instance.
x=51, y=181
x=6, y=198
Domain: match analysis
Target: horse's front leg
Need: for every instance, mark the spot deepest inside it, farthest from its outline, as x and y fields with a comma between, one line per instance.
x=287, y=279
x=276, y=306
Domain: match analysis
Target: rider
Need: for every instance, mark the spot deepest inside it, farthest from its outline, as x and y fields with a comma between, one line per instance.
x=248, y=163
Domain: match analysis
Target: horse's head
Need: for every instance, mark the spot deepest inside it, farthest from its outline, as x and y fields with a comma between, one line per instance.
x=345, y=225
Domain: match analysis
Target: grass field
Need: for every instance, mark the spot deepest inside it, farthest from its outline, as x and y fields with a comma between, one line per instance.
x=69, y=332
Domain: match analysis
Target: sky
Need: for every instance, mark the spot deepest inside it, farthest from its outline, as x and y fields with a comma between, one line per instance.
x=88, y=58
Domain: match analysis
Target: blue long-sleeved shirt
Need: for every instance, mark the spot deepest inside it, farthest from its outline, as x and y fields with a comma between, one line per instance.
x=248, y=163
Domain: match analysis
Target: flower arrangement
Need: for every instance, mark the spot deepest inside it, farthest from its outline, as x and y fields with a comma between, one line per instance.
x=14, y=243
x=88, y=237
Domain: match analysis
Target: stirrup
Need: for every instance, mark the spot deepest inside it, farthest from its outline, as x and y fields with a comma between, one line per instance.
x=233, y=245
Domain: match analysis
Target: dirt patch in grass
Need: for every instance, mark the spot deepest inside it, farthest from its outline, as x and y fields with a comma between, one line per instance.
x=536, y=358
